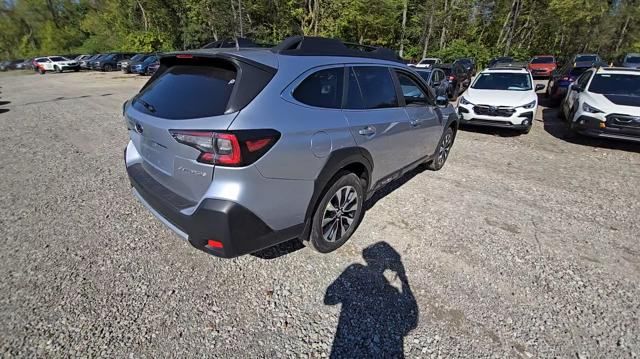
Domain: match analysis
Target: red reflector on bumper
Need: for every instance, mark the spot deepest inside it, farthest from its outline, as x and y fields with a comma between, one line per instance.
x=214, y=244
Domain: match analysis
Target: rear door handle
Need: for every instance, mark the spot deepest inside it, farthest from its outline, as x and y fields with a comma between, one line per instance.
x=367, y=131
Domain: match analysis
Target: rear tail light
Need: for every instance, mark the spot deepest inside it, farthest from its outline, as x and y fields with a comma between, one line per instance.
x=452, y=78
x=233, y=149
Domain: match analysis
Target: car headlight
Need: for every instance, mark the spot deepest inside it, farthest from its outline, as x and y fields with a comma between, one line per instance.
x=531, y=104
x=588, y=108
x=464, y=101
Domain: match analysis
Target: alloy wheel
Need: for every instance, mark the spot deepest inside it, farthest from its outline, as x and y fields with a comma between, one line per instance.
x=339, y=214
x=445, y=147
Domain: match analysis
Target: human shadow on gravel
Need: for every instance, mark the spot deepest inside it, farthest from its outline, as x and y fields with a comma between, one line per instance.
x=2, y=103
x=559, y=129
x=3, y=110
x=378, y=307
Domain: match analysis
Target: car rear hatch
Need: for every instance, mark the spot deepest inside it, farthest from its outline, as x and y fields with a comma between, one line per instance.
x=183, y=112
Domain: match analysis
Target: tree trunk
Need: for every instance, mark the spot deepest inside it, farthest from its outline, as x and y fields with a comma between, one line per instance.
x=514, y=20
x=316, y=16
x=240, y=17
x=428, y=36
x=144, y=16
x=444, y=25
x=622, y=34
x=404, y=26
x=54, y=13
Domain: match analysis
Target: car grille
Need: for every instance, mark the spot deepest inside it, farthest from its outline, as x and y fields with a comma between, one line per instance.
x=486, y=110
x=623, y=121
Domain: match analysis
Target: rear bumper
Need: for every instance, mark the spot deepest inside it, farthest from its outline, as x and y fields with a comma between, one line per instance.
x=238, y=229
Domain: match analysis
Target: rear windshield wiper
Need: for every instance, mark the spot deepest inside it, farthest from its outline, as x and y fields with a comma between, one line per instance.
x=149, y=107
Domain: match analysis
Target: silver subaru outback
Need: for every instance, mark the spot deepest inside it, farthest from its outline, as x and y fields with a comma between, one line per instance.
x=238, y=150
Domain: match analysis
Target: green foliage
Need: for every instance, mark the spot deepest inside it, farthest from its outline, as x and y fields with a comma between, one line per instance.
x=444, y=28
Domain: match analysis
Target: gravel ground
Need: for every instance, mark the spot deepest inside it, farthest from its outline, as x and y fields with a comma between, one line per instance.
x=522, y=246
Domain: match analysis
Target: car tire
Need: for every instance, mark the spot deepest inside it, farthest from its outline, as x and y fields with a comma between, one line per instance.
x=526, y=130
x=442, y=151
x=76, y=70
x=106, y=68
x=335, y=209
x=57, y=69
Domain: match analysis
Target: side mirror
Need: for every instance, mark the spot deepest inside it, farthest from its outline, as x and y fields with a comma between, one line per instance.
x=442, y=101
x=576, y=88
x=539, y=87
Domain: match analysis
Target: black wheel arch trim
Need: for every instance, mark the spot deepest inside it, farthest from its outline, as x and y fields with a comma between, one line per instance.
x=337, y=160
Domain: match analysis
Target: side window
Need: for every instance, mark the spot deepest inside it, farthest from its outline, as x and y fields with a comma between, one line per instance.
x=322, y=88
x=437, y=77
x=584, y=79
x=376, y=86
x=413, y=94
x=355, y=100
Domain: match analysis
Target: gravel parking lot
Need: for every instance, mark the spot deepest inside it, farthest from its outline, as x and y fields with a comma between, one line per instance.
x=522, y=246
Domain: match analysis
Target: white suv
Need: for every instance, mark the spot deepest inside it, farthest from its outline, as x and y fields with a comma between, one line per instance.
x=605, y=102
x=56, y=63
x=500, y=97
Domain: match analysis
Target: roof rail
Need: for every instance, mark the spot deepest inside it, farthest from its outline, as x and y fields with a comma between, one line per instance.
x=238, y=42
x=614, y=68
x=321, y=46
x=508, y=66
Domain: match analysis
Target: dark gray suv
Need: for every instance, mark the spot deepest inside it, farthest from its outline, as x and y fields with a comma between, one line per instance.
x=238, y=150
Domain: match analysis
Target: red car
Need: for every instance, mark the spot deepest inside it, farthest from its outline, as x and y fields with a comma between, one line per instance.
x=542, y=65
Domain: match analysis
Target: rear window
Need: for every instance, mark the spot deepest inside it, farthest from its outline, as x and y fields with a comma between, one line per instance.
x=542, y=60
x=186, y=92
x=577, y=71
x=377, y=89
x=322, y=89
x=58, y=58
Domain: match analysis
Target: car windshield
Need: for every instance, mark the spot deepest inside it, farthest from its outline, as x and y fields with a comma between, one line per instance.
x=503, y=81
x=58, y=58
x=428, y=62
x=586, y=58
x=424, y=74
x=108, y=57
x=137, y=57
x=542, y=60
x=616, y=84
x=150, y=59
x=632, y=59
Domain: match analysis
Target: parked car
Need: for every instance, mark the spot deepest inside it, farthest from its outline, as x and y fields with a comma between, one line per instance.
x=124, y=64
x=10, y=65
x=152, y=68
x=468, y=63
x=501, y=97
x=631, y=61
x=605, y=102
x=562, y=78
x=502, y=60
x=594, y=59
x=437, y=80
x=428, y=62
x=85, y=63
x=57, y=64
x=542, y=65
x=110, y=61
x=25, y=65
x=211, y=152
x=142, y=67
x=459, y=78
